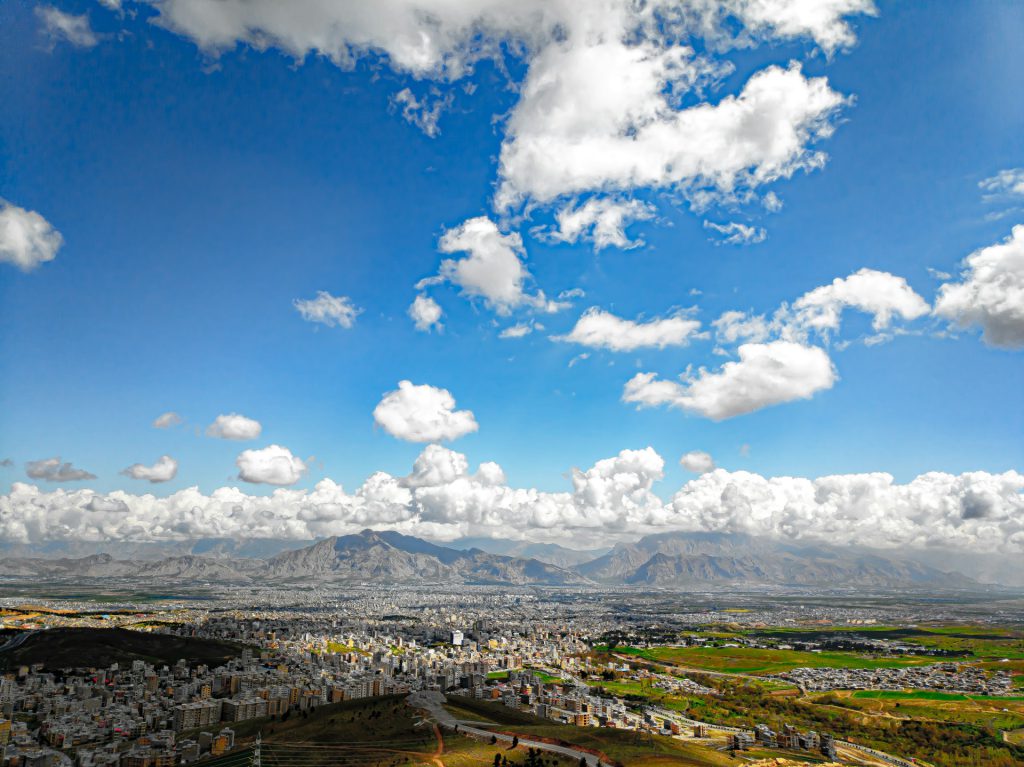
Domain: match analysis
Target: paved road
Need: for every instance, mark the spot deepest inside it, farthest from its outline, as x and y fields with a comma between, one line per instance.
x=432, y=701
x=18, y=640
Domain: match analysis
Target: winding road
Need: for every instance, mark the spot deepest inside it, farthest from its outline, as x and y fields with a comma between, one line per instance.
x=433, y=702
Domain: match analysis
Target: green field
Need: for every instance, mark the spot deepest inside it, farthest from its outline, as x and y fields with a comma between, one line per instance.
x=758, y=661
x=931, y=695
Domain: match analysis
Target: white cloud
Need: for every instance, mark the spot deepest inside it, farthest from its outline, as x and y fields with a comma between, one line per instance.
x=613, y=500
x=820, y=20
x=736, y=233
x=164, y=470
x=441, y=40
x=697, y=461
x=493, y=270
x=736, y=326
x=598, y=117
x=880, y=294
x=332, y=311
x=271, y=465
x=771, y=202
x=601, y=220
x=765, y=374
x=26, y=238
x=598, y=329
x=516, y=331
x=54, y=470
x=614, y=97
x=819, y=311
x=423, y=113
x=436, y=465
x=1006, y=183
x=423, y=413
x=971, y=510
x=167, y=420
x=59, y=25
x=426, y=313
x=990, y=293
x=234, y=426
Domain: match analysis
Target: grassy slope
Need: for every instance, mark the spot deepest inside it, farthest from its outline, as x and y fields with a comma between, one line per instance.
x=617, y=744
x=365, y=731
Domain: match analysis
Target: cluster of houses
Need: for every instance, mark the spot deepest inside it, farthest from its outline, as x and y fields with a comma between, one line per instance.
x=945, y=677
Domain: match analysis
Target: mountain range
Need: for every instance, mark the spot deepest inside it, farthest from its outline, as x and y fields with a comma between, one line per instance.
x=666, y=561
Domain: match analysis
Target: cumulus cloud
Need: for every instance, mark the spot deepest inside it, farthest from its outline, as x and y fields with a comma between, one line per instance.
x=516, y=331
x=819, y=311
x=423, y=413
x=1006, y=183
x=614, y=96
x=735, y=233
x=879, y=294
x=167, y=420
x=426, y=314
x=493, y=269
x=443, y=498
x=735, y=326
x=58, y=25
x=601, y=220
x=325, y=309
x=599, y=329
x=272, y=465
x=990, y=294
x=26, y=238
x=777, y=360
x=234, y=426
x=599, y=117
x=54, y=470
x=765, y=374
x=164, y=470
x=697, y=461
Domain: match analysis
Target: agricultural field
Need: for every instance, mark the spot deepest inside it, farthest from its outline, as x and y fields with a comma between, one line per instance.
x=1002, y=713
x=759, y=661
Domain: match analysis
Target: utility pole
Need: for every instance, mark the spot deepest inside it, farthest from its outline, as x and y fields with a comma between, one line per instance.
x=256, y=750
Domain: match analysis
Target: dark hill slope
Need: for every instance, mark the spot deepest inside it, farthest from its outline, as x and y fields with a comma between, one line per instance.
x=66, y=648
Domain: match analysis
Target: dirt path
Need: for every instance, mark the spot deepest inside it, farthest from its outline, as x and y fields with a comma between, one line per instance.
x=436, y=758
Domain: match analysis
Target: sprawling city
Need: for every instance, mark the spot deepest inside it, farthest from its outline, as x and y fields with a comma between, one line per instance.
x=511, y=383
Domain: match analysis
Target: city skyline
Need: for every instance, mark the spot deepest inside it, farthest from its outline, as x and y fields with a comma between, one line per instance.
x=550, y=273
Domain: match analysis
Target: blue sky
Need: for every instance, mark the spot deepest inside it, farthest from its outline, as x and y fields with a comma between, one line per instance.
x=200, y=189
